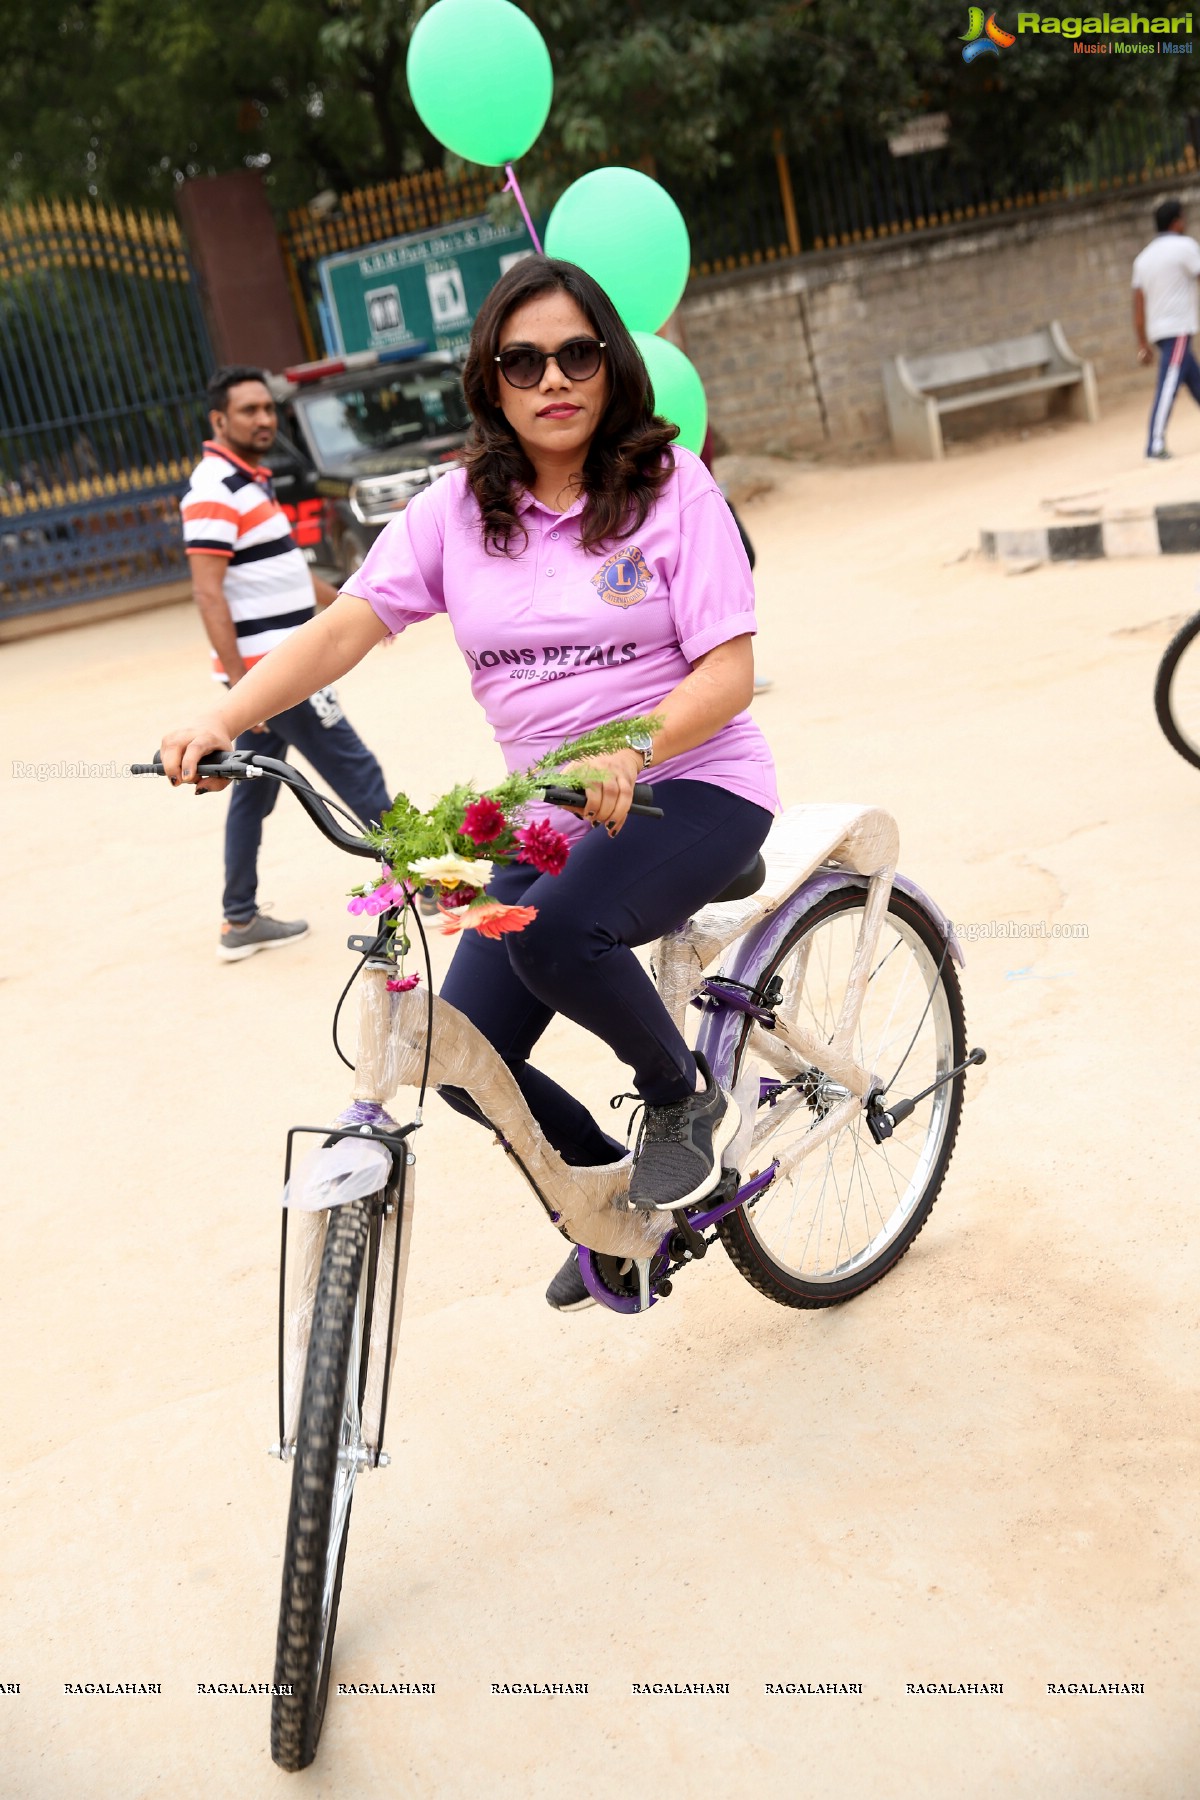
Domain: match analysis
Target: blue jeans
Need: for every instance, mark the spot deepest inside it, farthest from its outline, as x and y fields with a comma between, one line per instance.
x=576, y=957
x=320, y=731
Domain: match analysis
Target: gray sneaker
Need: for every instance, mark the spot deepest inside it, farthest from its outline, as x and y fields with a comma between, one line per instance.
x=568, y=1292
x=679, y=1155
x=262, y=933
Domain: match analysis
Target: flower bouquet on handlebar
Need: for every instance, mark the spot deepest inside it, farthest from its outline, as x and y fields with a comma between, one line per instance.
x=455, y=845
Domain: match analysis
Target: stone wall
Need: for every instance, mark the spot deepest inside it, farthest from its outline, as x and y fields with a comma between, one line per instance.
x=791, y=356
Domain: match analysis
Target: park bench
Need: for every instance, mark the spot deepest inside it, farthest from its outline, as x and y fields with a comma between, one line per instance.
x=920, y=390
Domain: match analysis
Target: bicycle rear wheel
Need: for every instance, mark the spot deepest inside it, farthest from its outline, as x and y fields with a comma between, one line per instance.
x=1177, y=692
x=329, y=1451
x=848, y=1211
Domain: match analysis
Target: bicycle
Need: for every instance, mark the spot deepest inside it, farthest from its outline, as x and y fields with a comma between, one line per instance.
x=829, y=957
x=1177, y=692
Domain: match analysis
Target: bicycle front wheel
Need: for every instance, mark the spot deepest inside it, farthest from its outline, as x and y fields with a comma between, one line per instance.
x=1177, y=692
x=844, y=1214
x=329, y=1453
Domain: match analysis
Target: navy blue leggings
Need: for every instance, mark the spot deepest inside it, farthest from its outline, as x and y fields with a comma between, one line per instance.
x=576, y=956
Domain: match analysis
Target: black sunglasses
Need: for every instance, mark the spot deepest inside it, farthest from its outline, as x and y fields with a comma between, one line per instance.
x=523, y=367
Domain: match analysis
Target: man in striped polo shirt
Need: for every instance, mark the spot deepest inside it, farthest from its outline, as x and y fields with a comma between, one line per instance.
x=253, y=588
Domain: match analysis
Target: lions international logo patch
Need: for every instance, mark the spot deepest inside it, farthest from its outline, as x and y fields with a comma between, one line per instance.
x=624, y=579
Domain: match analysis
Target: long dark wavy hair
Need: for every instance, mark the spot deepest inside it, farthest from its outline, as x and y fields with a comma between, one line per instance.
x=627, y=461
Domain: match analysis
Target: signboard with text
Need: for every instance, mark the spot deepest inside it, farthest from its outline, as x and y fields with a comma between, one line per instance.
x=424, y=287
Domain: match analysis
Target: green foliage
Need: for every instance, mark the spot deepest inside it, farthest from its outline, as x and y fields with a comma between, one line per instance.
x=407, y=835
x=121, y=99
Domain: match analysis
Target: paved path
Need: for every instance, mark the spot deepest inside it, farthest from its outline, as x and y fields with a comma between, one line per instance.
x=982, y=1471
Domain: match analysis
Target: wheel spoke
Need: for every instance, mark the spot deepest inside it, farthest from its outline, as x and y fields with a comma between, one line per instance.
x=847, y=1206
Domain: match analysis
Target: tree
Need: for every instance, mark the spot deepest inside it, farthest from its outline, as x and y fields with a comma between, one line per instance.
x=122, y=99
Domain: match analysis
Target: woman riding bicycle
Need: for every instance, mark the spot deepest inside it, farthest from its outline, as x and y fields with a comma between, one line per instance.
x=590, y=572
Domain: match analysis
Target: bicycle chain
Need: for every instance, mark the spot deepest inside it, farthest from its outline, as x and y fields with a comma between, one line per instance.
x=688, y=1262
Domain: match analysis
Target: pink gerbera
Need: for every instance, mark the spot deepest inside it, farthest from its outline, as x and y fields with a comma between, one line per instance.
x=483, y=821
x=544, y=847
x=403, y=985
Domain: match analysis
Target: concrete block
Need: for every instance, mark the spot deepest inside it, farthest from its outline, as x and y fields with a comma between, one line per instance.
x=1134, y=536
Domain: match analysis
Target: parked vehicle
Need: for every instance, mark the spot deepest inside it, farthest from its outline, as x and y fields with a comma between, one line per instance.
x=359, y=435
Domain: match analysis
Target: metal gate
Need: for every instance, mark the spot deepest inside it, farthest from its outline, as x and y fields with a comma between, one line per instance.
x=103, y=357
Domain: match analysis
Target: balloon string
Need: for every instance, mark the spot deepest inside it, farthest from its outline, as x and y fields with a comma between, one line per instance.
x=515, y=186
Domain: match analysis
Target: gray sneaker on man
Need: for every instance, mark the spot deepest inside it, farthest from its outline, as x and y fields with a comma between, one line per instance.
x=679, y=1155
x=259, y=933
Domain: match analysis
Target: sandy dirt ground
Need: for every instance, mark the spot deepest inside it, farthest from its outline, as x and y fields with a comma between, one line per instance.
x=982, y=1471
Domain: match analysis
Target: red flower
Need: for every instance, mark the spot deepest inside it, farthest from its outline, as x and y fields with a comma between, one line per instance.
x=491, y=920
x=403, y=985
x=483, y=821
x=462, y=896
x=544, y=847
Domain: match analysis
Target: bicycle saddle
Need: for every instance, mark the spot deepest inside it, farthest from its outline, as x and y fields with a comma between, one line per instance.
x=746, y=882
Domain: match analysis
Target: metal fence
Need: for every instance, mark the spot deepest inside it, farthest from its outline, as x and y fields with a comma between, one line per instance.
x=848, y=190
x=851, y=190
x=103, y=356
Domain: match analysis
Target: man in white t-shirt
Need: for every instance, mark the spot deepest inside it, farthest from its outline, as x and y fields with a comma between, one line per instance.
x=1166, y=312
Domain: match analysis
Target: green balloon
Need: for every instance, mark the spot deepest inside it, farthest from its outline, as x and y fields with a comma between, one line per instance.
x=678, y=390
x=480, y=77
x=628, y=233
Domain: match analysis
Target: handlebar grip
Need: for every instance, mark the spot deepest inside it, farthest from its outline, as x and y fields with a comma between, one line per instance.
x=220, y=770
x=571, y=798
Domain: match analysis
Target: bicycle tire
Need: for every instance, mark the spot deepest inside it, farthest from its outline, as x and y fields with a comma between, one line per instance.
x=743, y=1243
x=1168, y=668
x=329, y=1414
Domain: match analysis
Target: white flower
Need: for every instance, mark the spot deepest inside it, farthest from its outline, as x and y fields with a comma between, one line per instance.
x=452, y=871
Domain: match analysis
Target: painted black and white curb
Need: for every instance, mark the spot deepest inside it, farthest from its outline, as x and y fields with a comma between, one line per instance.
x=1160, y=531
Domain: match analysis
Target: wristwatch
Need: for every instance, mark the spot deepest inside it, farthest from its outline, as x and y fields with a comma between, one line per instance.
x=643, y=743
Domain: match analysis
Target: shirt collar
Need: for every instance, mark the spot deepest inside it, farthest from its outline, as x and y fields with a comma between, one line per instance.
x=528, y=502
x=258, y=470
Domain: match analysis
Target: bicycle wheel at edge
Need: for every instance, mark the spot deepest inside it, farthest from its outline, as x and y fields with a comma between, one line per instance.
x=1177, y=692
x=328, y=1438
x=850, y=1210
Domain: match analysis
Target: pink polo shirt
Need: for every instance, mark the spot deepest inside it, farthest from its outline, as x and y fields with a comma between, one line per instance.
x=558, y=639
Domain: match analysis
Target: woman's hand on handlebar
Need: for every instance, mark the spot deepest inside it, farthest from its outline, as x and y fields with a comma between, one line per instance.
x=182, y=750
x=608, y=802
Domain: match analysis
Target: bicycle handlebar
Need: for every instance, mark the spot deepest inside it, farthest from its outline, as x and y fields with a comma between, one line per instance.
x=246, y=765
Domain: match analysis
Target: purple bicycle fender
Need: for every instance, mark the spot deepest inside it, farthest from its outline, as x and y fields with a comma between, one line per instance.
x=720, y=1029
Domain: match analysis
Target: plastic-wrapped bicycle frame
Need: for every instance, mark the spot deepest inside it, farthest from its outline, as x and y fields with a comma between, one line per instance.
x=810, y=851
